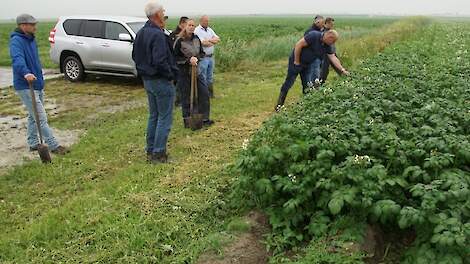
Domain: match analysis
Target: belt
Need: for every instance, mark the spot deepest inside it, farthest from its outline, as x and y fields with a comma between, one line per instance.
x=208, y=56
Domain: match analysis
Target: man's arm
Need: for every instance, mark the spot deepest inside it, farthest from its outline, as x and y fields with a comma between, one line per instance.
x=204, y=42
x=302, y=43
x=207, y=43
x=19, y=61
x=160, y=54
x=215, y=39
x=337, y=64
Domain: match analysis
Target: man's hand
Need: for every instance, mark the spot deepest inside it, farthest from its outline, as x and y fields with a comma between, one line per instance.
x=207, y=43
x=345, y=72
x=193, y=61
x=30, y=77
x=297, y=67
x=215, y=40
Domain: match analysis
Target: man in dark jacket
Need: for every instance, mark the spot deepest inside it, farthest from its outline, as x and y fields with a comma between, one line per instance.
x=156, y=65
x=325, y=67
x=317, y=26
x=27, y=70
x=308, y=50
x=181, y=26
x=173, y=38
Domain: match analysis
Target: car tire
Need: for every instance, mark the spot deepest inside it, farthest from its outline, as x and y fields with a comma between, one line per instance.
x=73, y=69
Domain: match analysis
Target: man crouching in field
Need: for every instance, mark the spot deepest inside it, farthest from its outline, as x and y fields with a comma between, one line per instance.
x=309, y=50
x=27, y=70
x=156, y=64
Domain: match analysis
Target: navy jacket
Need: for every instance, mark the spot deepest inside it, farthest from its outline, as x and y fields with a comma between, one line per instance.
x=153, y=55
x=24, y=60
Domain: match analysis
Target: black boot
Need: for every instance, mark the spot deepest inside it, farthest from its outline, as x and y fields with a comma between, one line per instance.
x=280, y=101
x=186, y=122
x=159, y=157
x=211, y=90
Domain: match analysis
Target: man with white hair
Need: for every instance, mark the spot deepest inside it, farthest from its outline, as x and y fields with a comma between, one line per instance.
x=208, y=39
x=308, y=49
x=156, y=65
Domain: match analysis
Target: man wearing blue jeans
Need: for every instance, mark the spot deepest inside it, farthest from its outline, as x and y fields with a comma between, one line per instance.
x=154, y=61
x=27, y=70
x=309, y=51
x=206, y=65
x=313, y=72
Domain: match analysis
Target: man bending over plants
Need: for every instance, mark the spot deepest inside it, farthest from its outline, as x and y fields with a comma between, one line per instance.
x=309, y=51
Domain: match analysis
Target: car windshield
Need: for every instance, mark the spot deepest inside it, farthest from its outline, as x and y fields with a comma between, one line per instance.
x=136, y=26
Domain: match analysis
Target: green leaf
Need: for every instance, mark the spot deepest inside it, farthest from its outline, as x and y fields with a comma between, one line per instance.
x=335, y=205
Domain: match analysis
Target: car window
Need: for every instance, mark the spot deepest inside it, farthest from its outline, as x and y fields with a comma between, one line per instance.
x=136, y=26
x=72, y=26
x=113, y=30
x=92, y=29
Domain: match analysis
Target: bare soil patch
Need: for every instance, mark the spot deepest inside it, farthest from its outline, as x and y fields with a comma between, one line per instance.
x=247, y=248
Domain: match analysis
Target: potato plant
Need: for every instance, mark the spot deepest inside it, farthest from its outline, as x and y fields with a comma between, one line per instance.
x=390, y=145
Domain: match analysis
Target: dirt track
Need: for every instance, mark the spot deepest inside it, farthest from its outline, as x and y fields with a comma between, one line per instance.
x=15, y=150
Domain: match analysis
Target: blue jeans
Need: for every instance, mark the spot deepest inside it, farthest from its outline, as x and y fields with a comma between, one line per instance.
x=206, y=69
x=314, y=70
x=161, y=94
x=32, y=136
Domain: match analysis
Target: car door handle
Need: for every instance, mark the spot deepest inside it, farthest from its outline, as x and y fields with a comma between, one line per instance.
x=79, y=43
x=105, y=45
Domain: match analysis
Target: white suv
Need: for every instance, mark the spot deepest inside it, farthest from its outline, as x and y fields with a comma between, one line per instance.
x=91, y=44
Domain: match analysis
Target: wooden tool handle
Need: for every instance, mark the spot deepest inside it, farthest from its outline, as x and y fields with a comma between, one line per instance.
x=35, y=110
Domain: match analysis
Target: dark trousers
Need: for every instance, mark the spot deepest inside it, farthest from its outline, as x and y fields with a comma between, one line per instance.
x=292, y=72
x=325, y=69
x=184, y=83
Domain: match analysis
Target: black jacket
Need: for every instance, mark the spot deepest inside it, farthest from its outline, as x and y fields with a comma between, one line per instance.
x=187, y=48
x=174, y=36
x=152, y=54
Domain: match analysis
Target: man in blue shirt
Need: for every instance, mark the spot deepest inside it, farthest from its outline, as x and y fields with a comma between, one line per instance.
x=318, y=24
x=325, y=66
x=27, y=70
x=156, y=65
x=310, y=49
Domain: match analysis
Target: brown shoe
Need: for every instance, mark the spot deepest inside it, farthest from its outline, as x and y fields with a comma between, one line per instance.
x=61, y=150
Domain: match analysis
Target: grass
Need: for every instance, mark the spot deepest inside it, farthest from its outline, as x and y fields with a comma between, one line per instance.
x=235, y=32
x=42, y=38
x=105, y=195
x=104, y=203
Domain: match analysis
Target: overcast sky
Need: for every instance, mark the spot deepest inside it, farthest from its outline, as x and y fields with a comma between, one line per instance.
x=55, y=8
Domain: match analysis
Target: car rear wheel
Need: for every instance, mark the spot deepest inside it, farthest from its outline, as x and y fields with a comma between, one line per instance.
x=73, y=69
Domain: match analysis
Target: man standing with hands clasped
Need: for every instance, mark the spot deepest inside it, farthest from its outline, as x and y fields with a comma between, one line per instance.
x=27, y=70
x=208, y=39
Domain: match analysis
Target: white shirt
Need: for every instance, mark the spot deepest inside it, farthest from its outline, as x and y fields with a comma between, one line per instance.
x=205, y=34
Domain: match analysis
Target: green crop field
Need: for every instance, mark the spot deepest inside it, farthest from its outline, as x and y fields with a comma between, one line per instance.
x=238, y=34
x=386, y=147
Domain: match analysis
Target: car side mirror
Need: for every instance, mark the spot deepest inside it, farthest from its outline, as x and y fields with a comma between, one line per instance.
x=125, y=37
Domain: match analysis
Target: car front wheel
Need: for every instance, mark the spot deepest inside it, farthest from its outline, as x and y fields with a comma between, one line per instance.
x=73, y=69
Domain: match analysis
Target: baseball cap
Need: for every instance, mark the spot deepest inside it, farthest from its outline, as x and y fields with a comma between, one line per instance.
x=25, y=19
